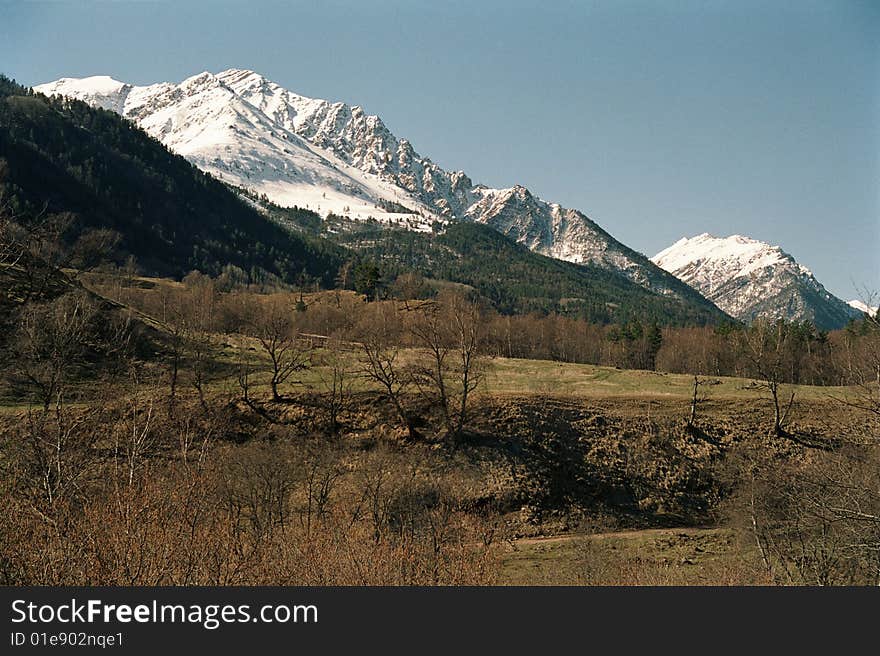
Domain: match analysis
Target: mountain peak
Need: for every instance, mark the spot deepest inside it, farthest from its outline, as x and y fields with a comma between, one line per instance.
x=751, y=279
x=103, y=83
x=243, y=78
x=239, y=73
x=97, y=90
x=200, y=80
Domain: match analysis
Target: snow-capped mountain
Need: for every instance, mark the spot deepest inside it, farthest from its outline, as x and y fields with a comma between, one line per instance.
x=751, y=279
x=333, y=157
x=863, y=307
x=246, y=140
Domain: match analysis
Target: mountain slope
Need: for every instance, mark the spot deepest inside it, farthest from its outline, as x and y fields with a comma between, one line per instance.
x=750, y=279
x=333, y=157
x=564, y=234
x=75, y=159
x=517, y=280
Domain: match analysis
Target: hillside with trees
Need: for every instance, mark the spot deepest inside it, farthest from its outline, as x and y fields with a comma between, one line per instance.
x=320, y=438
x=84, y=170
x=518, y=281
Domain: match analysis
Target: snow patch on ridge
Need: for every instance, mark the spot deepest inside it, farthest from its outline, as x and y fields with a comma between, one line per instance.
x=861, y=306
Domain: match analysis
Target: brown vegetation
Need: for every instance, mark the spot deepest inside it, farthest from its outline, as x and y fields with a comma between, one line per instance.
x=179, y=434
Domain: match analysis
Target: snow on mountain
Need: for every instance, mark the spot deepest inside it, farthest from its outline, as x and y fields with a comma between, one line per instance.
x=333, y=157
x=552, y=230
x=360, y=140
x=750, y=279
x=99, y=91
x=225, y=133
x=863, y=307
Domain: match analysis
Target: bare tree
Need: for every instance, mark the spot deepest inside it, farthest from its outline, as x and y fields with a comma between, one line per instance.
x=135, y=437
x=322, y=473
x=432, y=376
x=764, y=345
x=199, y=344
x=60, y=445
x=243, y=375
x=449, y=333
x=196, y=319
x=50, y=343
x=260, y=483
x=335, y=380
x=176, y=338
x=408, y=287
x=343, y=279
x=466, y=322
x=275, y=330
x=696, y=399
x=863, y=366
x=816, y=520
x=11, y=249
x=91, y=249
x=31, y=252
x=382, y=363
x=188, y=350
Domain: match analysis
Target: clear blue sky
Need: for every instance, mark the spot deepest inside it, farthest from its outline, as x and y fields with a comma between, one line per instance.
x=657, y=119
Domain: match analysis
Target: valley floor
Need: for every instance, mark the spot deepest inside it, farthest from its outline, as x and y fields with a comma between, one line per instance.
x=182, y=469
x=658, y=556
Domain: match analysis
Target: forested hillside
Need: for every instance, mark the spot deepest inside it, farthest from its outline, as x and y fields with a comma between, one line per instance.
x=99, y=171
x=517, y=280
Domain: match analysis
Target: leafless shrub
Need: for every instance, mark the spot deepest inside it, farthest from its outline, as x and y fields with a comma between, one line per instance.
x=51, y=343
x=449, y=333
x=814, y=520
x=276, y=332
x=764, y=345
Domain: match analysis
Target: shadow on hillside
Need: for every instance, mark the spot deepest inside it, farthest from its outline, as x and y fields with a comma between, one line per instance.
x=811, y=440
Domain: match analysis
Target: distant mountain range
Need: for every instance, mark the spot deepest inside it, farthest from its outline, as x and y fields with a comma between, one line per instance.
x=332, y=157
x=63, y=157
x=751, y=279
x=335, y=160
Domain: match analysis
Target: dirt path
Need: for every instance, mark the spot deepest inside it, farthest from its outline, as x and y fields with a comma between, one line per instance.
x=645, y=532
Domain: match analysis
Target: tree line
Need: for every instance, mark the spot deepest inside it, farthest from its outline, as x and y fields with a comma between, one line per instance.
x=803, y=354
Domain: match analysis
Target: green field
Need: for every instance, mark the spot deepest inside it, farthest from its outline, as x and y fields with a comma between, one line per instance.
x=502, y=377
x=673, y=556
x=510, y=376
x=519, y=377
